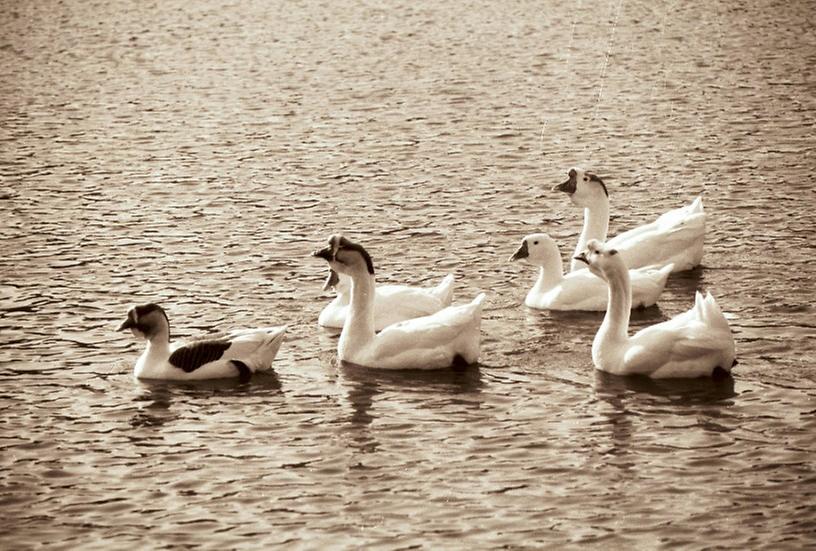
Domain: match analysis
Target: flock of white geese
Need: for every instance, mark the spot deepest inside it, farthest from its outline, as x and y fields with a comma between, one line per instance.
x=404, y=327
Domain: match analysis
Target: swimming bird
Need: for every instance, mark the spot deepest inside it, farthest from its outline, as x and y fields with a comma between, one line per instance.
x=580, y=290
x=235, y=354
x=676, y=236
x=696, y=343
x=449, y=337
x=392, y=303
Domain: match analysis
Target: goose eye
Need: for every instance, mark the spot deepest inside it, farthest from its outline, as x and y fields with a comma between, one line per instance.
x=535, y=242
x=586, y=179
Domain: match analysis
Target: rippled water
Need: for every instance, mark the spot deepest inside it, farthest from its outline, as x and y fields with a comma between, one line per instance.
x=195, y=153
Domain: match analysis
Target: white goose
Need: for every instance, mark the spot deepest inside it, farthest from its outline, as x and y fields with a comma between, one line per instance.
x=696, y=343
x=236, y=354
x=580, y=290
x=450, y=337
x=392, y=303
x=675, y=237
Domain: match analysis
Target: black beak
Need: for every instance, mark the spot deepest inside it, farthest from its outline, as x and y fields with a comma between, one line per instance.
x=582, y=257
x=127, y=324
x=331, y=281
x=566, y=187
x=325, y=254
x=522, y=252
x=570, y=185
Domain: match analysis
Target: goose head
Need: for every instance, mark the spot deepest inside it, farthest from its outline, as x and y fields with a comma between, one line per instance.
x=538, y=249
x=346, y=257
x=147, y=321
x=603, y=261
x=584, y=188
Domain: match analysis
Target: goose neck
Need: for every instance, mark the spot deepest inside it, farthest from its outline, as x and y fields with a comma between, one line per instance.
x=155, y=355
x=548, y=277
x=596, y=225
x=615, y=326
x=158, y=347
x=360, y=322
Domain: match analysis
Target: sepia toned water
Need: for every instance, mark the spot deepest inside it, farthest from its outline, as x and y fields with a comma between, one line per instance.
x=194, y=154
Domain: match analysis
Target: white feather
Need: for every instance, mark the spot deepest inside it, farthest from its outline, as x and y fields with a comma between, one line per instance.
x=392, y=303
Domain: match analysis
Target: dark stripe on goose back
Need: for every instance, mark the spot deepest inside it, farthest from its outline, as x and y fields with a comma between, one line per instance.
x=192, y=356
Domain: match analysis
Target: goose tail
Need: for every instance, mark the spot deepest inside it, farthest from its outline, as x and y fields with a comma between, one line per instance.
x=444, y=291
x=479, y=301
x=708, y=311
x=696, y=206
x=665, y=272
x=268, y=348
x=714, y=313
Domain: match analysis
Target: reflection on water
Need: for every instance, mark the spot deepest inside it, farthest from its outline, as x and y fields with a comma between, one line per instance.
x=195, y=154
x=681, y=392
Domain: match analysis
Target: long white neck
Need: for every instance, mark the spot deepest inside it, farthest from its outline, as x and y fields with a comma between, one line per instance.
x=343, y=290
x=549, y=276
x=358, y=330
x=614, y=330
x=155, y=355
x=596, y=224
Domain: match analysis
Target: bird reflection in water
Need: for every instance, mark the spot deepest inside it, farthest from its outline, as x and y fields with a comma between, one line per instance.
x=364, y=384
x=155, y=400
x=702, y=397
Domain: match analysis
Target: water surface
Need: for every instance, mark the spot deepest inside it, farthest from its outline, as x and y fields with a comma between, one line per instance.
x=194, y=155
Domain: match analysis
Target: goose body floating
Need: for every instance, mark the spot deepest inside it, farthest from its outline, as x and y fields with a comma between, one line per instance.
x=696, y=343
x=676, y=237
x=237, y=354
x=581, y=289
x=392, y=303
x=449, y=337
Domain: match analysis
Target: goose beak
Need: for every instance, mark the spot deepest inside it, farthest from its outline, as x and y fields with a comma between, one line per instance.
x=326, y=254
x=582, y=257
x=570, y=185
x=522, y=252
x=127, y=324
x=566, y=187
x=331, y=281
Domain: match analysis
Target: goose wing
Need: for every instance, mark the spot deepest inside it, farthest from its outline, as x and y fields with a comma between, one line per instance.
x=579, y=290
x=411, y=302
x=686, y=342
x=237, y=344
x=681, y=230
x=429, y=331
x=189, y=357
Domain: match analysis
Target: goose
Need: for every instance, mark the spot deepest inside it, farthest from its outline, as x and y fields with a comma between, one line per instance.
x=235, y=354
x=696, y=343
x=580, y=290
x=447, y=338
x=675, y=237
x=392, y=303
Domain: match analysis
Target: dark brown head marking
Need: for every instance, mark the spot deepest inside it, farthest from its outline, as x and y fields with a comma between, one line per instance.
x=337, y=243
x=137, y=314
x=351, y=246
x=594, y=178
